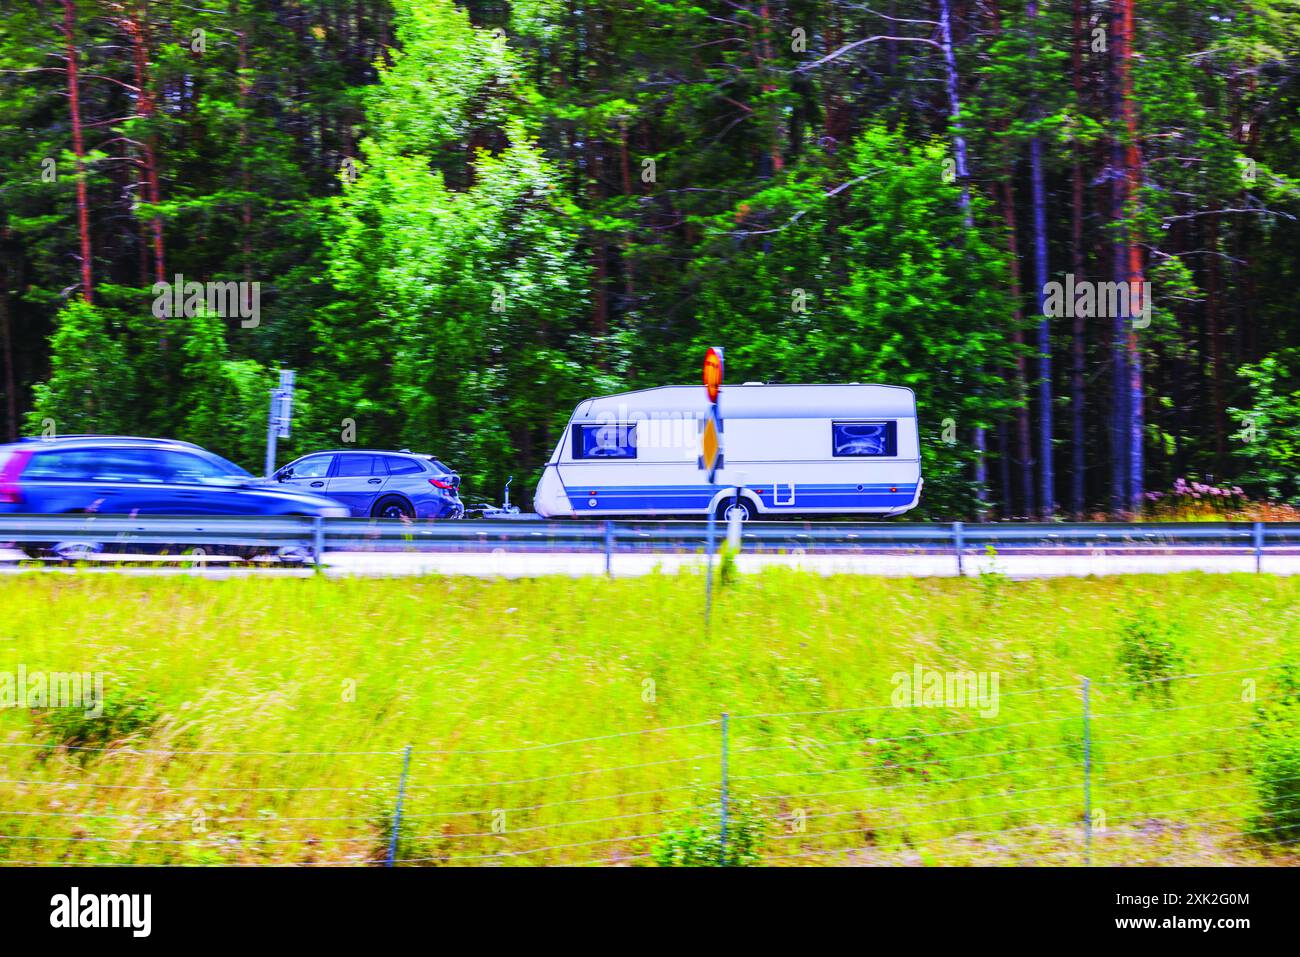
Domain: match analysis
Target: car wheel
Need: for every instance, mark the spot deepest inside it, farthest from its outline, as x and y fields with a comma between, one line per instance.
x=729, y=506
x=76, y=551
x=392, y=508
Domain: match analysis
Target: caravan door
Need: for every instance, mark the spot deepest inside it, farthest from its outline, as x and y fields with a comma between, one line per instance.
x=783, y=494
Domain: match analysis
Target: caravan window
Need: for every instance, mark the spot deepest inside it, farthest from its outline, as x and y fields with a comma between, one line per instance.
x=604, y=441
x=864, y=438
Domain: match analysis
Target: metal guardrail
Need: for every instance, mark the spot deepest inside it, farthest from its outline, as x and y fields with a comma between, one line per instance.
x=303, y=537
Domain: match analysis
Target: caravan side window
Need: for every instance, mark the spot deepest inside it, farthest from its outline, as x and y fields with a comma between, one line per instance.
x=864, y=438
x=613, y=441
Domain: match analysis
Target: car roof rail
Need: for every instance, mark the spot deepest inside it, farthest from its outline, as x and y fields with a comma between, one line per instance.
x=92, y=436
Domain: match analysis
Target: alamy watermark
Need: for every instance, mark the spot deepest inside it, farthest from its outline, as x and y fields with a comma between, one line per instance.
x=928, y=688
x=1098, y=300
x=674, y=430
x=130, y=911
x=53, y=689
x=229, y=300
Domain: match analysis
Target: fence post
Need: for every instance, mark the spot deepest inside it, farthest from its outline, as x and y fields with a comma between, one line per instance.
x=708, y=577
x=609, y=546
x=397, y=814
x=1087, y=776
x=1259, y=544
x=317, y=541
x=722, y=862
x=959, y=543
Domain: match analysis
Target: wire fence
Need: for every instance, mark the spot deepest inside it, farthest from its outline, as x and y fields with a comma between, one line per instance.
x=1193, y=768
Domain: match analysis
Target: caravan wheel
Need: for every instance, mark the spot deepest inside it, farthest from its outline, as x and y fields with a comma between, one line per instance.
x=729, y=507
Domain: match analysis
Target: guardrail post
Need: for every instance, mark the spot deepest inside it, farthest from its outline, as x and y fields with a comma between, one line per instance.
x=397, y=813
x=1087, y=776
x=959, y=543
x=609, y=546
x=722, y=860
x=317, y=541
x=1259, y=545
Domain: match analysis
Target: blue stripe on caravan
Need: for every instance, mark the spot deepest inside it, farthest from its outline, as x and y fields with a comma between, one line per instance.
x=649, y=497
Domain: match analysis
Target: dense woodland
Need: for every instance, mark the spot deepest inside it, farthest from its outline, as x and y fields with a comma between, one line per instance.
x=464, y=217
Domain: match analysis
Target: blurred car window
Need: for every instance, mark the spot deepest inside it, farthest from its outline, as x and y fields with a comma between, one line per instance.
x=351, y=465
x=400, y=466
x=315, y=466
x=127, y=465
x=186, y=468
x=97, y=465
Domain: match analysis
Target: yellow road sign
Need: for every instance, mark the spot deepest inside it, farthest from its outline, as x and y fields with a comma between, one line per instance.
x=711, y=444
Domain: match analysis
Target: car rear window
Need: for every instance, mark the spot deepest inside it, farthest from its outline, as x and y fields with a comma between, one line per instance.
x=438, y=466
x=400, y=466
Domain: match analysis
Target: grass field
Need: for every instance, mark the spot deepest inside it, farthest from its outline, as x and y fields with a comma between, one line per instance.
x=487, y=680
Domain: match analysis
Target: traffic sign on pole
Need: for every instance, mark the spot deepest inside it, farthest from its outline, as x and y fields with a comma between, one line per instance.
x=711, y=444
x=711, y=436
x=713, y=367
x=279, y=417
x=711, y=459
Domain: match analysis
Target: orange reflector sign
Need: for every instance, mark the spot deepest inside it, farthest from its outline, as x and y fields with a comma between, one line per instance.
x=713, y=372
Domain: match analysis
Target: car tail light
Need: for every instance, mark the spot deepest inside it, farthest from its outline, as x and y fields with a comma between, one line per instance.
x=441, y=483
x=11, y=468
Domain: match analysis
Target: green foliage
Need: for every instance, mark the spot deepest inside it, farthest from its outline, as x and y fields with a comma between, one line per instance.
x=993, y=582
x=1276, y=760
x=1270, y=427
x=479, y=665
x=694, y=838
x=1150, y=651
x=91, y=387
x=125, y=714
x=898, y=747
x=728, y=573
x=459, y=292
x=847, y=287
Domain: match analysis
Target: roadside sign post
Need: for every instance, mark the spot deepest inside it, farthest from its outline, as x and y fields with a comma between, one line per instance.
x=733, y=520
x=277, y=421
x=711, y=460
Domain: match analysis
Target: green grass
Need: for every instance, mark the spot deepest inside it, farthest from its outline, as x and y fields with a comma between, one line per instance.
x=459, y=665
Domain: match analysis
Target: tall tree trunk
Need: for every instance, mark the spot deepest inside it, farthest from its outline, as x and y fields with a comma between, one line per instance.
x=1023, y=441
x=599, y=254
x=776, y=159
x=1004, y=468
x=1007, y=196
x=1132, y=176
x=1214, y=337
x=963, y=177
x=1078, y=461
x=629, y=285
x=1047, y=483
x=78, y=149
x=7, y=342
x=245, y=179
x=1119, y=272
x=136, y=27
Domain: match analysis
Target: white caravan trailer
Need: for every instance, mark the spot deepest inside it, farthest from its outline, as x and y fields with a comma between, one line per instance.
x=796, y=449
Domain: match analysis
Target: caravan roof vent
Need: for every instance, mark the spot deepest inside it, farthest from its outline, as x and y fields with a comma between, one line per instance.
x=753, y=383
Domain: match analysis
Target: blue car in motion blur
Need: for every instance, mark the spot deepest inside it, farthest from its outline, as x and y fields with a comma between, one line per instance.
x=126, y=475
x=374, y=484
